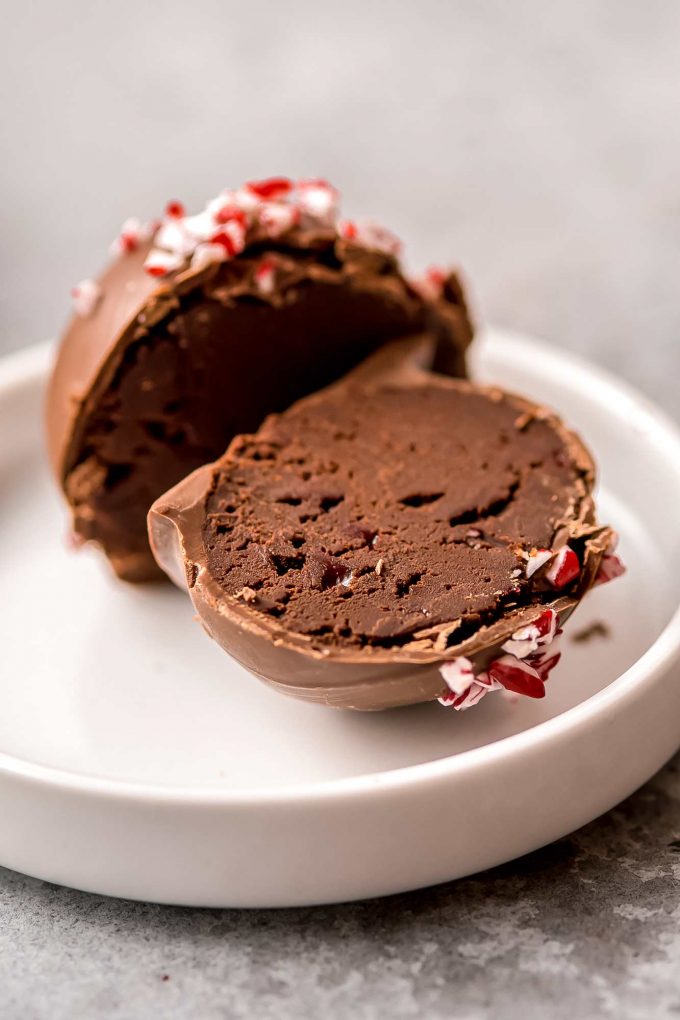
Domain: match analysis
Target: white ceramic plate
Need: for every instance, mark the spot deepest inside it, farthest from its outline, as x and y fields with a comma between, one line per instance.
x=137, y=760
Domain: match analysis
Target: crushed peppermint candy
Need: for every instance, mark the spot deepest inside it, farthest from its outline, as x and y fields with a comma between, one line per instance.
x=517, y=675
x=564, y=565
x=277, y=219
x=318, y=199
x=529, y=639
x=536, y=559
x=225, y=212
x=236, y=218
x=175, y=210
x=160, y=263
x=478, y=689
x=565, y=568
x=611, y=565
x=531, y=652
x=174, y=237
x=530, y=655
x=458, y=674
x=370, y=235
x=207, y=253
x=272, y=188
x=232, y=236
x=86, y=295
x=265, y=276
x=610, y=568
x=131, y=235
x=266, y=209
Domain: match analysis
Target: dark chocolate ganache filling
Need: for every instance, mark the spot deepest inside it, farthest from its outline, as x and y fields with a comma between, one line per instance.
x=370, y=514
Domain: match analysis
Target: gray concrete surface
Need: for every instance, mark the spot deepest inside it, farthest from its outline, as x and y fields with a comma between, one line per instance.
x=536, y=143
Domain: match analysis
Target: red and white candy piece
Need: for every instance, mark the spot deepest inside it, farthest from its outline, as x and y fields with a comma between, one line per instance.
x=481, y=686
x=173, y=237
x=458, y=674
x=564, y=565
x=370, y=235
x=229, y=200
x=198, y=228
x=317, y=199
x=277, y=218
x=160, y=263
x=271, y=188
x=536, y=559
x=517, y=675
x=610, y=568
x=86, y=295
x=175, y=210
x=265, y=276
x=380, y=238
x=132, y=233
x=226, y=211
x=527, y=640
x=269, y=207
x=348, y=230
x=531, y=653
x=232, y=236
x=207, y=253
x=564, y=569
x=244, y=198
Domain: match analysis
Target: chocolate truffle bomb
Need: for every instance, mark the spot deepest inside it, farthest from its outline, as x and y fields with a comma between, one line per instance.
x=203, y=325
x=391, y=541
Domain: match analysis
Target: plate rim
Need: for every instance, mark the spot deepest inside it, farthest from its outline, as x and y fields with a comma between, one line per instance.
x=27, y=366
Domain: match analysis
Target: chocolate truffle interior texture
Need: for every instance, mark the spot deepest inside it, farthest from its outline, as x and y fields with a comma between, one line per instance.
x=178, y=392
x=367, y=515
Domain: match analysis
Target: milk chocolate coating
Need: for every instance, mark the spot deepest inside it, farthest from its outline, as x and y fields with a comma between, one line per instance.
x=161, y=377
x=375, y=530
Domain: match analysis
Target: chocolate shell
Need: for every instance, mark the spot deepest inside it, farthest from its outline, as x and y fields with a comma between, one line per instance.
x=394, y=539
x=161, y=371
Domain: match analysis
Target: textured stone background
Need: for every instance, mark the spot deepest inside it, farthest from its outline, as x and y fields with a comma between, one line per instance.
x=538, y=144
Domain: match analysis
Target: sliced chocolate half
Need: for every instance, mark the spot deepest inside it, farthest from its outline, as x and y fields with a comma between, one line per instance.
x=203, y=325
x=391, y=541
